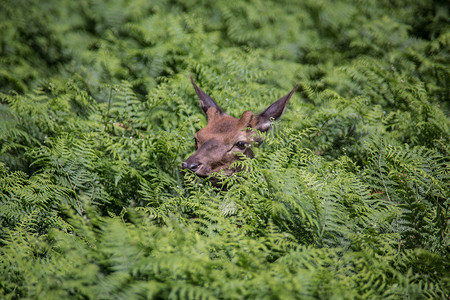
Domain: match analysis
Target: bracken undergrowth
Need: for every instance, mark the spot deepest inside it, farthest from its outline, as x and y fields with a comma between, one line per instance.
x=347, y=198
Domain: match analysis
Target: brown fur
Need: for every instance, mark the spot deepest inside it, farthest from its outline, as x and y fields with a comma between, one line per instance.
x=219, y=143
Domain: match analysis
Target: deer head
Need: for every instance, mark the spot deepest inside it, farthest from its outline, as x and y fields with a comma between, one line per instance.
x=218, y=144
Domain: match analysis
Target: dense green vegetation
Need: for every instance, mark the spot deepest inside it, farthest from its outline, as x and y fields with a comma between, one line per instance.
x=348, y=198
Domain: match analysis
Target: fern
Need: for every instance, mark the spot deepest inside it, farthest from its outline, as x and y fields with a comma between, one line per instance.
x=346, y=198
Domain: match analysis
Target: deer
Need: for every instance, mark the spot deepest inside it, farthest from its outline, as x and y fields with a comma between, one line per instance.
x=225, y=139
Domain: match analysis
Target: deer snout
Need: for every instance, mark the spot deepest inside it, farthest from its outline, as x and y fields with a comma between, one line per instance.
x=193, y=166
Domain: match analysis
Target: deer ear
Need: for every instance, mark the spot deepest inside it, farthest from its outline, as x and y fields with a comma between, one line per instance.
x=262, y=122
x=205, y=100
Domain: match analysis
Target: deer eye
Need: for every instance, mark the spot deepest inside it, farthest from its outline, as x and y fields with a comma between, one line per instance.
x=241, y=145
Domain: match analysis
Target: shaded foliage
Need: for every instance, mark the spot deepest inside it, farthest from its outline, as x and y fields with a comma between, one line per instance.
x=348, y=197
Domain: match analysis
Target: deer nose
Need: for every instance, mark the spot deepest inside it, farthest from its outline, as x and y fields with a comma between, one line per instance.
x=191, y=166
